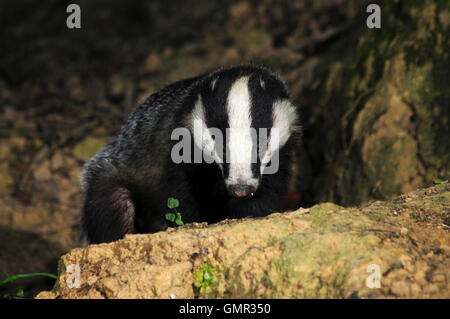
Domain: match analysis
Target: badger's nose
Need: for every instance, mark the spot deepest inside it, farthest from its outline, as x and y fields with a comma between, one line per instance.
x=241, y=191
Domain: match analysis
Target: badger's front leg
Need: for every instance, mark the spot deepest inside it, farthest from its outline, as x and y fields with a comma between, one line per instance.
x=173, y=184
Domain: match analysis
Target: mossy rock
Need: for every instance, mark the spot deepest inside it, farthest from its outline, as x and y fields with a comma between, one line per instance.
x=390, y=107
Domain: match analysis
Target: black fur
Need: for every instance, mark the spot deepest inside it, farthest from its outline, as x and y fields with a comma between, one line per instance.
x=128, y=183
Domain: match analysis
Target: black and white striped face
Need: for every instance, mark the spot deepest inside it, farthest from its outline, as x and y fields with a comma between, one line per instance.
x=241, y=119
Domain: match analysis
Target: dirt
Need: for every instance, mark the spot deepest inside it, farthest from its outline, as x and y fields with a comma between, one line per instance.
x=327, y=251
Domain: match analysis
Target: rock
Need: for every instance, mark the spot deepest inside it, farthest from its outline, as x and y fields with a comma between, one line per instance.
x=6, y=179
x=47, y=295
x=438, y=278
x=57, y=161
x=431, y=289
x=75, y=88
x=325, y=252
x=240, y=11
x=152, y=62
x=387, y=105
x=401, y=288
x=42, y=172
x=252, y=40
x=7, y=148
x=117, y=86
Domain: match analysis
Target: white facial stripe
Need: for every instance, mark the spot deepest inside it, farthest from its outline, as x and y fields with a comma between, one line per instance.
x=202, y=136
x=284, y=117
x=240, y=142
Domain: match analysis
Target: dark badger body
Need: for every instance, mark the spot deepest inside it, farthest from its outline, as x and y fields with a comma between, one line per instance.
x=128, y=183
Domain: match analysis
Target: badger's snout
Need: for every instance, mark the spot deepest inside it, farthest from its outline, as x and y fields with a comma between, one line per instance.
x=241, y=185
x=241, y=191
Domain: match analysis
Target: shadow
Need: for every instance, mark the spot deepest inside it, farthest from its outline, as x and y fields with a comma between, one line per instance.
x=24, y=252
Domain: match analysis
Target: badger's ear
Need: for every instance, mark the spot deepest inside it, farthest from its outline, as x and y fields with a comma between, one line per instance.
x=262, y=83
x=285, y=118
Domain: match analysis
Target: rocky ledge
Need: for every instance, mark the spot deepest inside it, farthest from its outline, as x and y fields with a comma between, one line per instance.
x=385, y=249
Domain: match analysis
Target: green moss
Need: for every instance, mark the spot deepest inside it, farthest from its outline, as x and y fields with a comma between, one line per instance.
x=325, y=207
x=338, y=255
x=89, y=147
x=205, y=277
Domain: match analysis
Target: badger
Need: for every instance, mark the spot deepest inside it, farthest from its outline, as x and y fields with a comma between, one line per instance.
x=223, y=116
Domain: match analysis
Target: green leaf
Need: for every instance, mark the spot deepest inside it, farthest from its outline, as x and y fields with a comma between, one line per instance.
x=170, y=217
x=178, y=220
x=11, y=278
x=438, y=181
x=20, y=293
x=172, y=202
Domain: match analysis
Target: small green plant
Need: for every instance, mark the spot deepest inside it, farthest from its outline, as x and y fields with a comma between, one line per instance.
x=438, y=181
x=173, y=203
x=9, y=278
x=204, y=277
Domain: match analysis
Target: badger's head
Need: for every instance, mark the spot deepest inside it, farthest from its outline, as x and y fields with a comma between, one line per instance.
x=242, y=117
